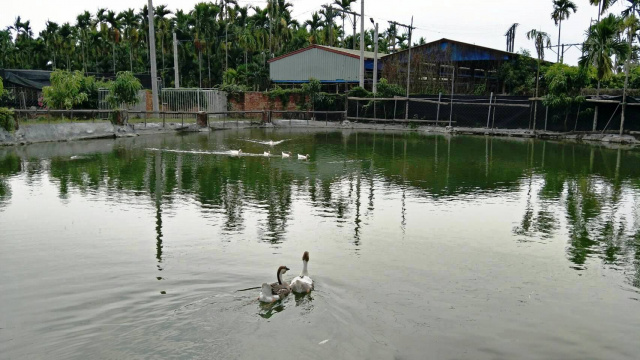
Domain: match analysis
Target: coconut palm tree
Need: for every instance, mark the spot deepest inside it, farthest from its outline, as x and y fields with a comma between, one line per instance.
x=603, y=42
x=561, y=11
x=49, y=35
x=542, y=41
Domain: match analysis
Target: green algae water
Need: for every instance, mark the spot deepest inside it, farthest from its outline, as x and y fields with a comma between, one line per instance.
x=422, y=247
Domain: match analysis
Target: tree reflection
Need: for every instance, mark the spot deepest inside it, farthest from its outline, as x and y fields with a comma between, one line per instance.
x=586, y=187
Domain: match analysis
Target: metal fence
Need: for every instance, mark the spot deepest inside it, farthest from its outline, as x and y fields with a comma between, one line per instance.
x=493, y=112
x=194, y=100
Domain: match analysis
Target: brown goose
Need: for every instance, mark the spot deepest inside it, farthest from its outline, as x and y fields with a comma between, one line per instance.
x=277, y=290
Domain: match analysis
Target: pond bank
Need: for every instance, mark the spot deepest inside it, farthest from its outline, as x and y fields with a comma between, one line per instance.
x=39, y=133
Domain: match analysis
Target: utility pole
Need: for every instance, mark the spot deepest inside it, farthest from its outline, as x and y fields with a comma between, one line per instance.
x=154, y=66
x=375, y=58
x=410, y=28
x=361, y=44
x=176, y=68
x=355, y=21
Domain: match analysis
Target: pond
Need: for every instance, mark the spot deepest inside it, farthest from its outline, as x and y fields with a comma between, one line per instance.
x=421, y=246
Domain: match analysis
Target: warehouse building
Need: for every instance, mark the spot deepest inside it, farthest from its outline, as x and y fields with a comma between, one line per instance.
x=435, y=64
x=336, y=68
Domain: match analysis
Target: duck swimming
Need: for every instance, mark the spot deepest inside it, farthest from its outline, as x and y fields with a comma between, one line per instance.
x=302, y=284
x=267, y=153
x=303, y=157
x=286, y=154
x=277, y=290
x=235, y=152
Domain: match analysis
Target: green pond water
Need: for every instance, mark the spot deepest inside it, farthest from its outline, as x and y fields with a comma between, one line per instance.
x=422, y=247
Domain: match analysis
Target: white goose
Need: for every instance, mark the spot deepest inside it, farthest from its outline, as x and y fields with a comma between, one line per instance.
x=303, y=157
x=235, y=152
x=302, y=284
x=266, y=154
x=286, y=154
x=276, y=291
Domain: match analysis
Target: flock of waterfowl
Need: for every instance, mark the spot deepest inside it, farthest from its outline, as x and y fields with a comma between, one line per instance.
x=301, y=284
x=285, y=154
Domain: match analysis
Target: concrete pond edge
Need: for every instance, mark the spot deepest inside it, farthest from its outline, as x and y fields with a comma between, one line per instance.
x=38, y=133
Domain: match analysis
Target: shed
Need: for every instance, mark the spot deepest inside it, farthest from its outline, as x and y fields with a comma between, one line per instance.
x=433, y=66
x=330, y=65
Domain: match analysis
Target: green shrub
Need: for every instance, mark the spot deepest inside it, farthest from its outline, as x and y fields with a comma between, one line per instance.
x=65, y=91
x=6, y=119
x=124, y=90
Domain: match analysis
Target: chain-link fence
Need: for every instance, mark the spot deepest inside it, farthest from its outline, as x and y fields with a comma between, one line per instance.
x=494, y=112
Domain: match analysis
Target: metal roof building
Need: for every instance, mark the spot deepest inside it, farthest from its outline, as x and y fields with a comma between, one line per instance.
x=433, y=66
x=330, y=65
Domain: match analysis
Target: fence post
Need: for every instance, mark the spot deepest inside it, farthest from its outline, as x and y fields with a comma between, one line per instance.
x=164, y=114
x=357, y=109
x=535, y=115
x=453, y=80
x=546, y=118
x=438, y=112
x=493, y=123
x=395, y=108
x=489, y=114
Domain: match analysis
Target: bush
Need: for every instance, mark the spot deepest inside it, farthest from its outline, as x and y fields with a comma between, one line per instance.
x=124, y=90
x=6, y=119
x=65, y=91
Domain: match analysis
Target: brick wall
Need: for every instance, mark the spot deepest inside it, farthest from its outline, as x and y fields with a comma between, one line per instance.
x=259, y=101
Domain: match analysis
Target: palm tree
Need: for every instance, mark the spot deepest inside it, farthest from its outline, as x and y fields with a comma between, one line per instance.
x=314, y=24
x=114, y=33
x=49, y=35
x=130, y=21
x=163, y=27
x=602, y=43
x=542, y=41
x=561, y=11
x=83, y=25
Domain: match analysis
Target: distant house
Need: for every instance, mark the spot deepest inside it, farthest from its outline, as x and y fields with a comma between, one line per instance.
x=331, y=65
x=433, y=64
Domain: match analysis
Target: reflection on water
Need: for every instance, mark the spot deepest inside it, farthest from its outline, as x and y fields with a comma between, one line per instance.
x=367, y=188
x=595, y=187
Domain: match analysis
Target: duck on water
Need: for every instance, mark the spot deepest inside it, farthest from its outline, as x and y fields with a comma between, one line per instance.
x=277, y=290
x=302, y=284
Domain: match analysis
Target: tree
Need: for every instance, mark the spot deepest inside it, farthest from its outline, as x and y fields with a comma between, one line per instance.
x=124, y=90
x=564, y=84
x=541, y=40
x=561, y=11
x=602, y=43
x=65, y=90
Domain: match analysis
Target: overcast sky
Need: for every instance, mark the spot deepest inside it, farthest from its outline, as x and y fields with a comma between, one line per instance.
x=482, y=22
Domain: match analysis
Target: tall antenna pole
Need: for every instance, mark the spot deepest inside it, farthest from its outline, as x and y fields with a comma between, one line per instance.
x=154, y=68
x=361, y=44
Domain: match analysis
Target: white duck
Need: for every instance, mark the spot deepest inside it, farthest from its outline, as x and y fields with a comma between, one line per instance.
x=276, y=291
x=302, y=284
x=303, y=157
x=266, y=154
x=286, y=154
x=235, y=152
